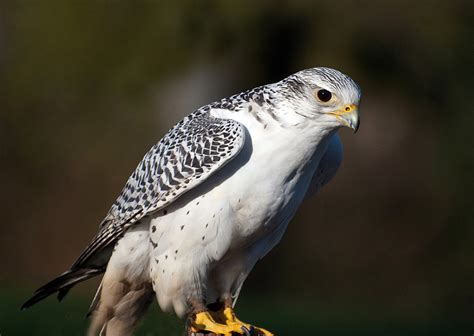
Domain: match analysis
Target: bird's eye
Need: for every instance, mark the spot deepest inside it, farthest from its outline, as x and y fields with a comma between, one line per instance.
x=324, y=95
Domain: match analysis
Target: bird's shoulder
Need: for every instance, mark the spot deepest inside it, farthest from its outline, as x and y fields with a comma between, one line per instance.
x=190, y=151
x=185, y=157
x=187, y=154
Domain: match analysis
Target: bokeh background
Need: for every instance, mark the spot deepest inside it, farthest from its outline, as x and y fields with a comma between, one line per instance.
x=86, y=87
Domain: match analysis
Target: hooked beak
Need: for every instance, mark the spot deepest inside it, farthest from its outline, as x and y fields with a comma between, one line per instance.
x=349, y=116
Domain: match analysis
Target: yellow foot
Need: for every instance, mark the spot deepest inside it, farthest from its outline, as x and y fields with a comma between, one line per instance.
x=205, y=322
x=232, y=320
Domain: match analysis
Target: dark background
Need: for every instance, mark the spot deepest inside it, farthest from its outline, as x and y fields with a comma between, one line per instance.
x=86, y=87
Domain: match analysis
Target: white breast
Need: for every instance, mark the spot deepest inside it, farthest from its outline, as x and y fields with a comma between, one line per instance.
x=274, y=180
x=249, y=202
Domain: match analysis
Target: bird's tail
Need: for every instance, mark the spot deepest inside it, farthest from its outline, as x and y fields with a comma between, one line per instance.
x=62, y=284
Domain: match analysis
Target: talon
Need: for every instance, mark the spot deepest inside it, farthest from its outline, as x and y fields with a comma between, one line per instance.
x=232, y=320
x=248, y=332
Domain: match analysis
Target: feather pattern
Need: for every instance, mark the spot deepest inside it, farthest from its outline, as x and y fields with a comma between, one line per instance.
x=191, y=151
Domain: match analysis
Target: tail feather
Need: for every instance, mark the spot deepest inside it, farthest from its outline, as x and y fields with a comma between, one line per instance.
x=61, y=284
x=63, y=292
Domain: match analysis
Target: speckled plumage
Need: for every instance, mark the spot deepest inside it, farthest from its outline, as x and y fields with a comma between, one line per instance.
x=187, y=154
x=189, y=230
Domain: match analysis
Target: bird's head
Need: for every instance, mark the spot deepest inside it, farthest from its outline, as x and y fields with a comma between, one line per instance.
x=325, y=95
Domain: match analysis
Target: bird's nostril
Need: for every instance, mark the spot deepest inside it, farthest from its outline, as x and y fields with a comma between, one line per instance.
x=347, y=108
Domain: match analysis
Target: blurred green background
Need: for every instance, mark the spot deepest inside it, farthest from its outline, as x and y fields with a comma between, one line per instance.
x=86, y=87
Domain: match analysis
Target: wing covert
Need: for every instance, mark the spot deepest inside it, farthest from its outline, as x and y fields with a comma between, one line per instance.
x=189, y=153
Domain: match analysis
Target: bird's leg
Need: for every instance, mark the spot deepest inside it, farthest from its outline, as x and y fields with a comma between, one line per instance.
x=202, y=321
x=231, y=319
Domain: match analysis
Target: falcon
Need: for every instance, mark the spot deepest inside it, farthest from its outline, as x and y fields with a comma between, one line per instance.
x=209, y=200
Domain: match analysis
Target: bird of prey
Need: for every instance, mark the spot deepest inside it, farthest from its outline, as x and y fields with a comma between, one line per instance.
x=209, y=200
